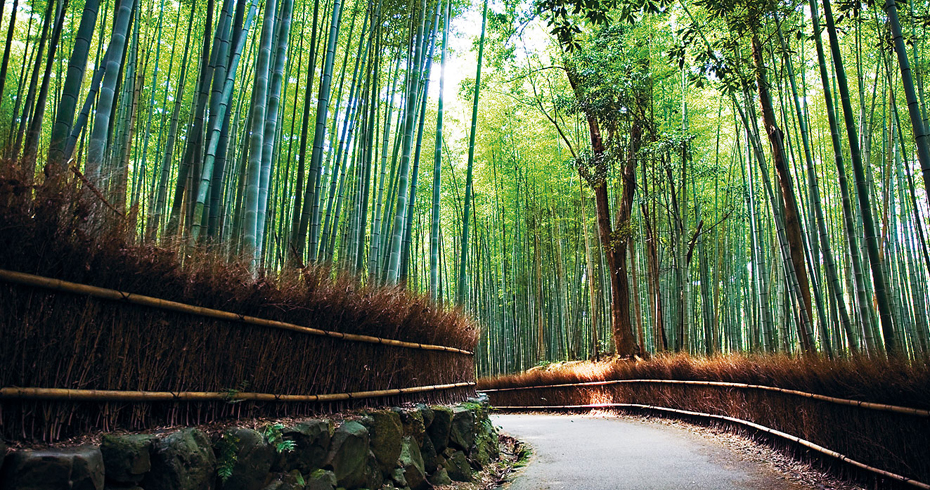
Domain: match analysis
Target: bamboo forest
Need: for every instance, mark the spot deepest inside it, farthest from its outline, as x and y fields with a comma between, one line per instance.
x=583, y=178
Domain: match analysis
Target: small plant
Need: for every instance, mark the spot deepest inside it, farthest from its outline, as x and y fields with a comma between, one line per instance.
x=275, y=437
x=227, y=449
x=230, y=393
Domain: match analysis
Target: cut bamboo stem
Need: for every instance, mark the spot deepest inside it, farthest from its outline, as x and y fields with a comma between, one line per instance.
x=62, y=394
x=136, y=299
x=784, y=435
x=840, y=401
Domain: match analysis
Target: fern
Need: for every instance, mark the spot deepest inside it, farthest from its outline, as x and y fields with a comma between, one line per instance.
x=275, y=437
x=230, y=394
x=227, y=449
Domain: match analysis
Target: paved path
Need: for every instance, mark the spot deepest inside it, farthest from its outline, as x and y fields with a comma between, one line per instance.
x=578, y=452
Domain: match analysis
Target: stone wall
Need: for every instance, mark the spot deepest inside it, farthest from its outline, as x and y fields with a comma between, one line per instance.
x=409, y=448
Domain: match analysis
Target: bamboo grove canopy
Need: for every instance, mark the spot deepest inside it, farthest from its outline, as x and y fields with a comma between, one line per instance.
x=583, y=177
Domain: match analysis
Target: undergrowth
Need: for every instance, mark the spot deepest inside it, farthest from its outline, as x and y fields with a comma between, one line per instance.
x=63, y=234
x=878, y=380
x=62, y=340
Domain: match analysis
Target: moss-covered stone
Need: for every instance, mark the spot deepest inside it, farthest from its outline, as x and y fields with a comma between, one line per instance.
x=456, y=465
x=487, y=444
x=287, y=481
x=427, y=413
x=126, y=457
x=75, y=468
x=253, y=460
x=321, y=480
x=428, y=452
x=386, y=431
x=412, y=463
x=440, y=477
x=439, y=430
x=397, y=476
x=348, y=454
x=462, y=432
x=182, y=460
x=311, y=439
x=412, y=421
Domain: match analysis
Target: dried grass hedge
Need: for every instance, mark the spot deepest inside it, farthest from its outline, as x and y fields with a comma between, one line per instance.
x=59, y=340
x=891, y=441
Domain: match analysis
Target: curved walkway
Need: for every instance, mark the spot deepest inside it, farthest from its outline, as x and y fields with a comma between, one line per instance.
x=578, y=452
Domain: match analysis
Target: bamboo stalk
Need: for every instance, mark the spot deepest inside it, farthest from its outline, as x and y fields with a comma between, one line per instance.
x=784, y=435
x=722, y=384
x=114, y=295
x=63, y=394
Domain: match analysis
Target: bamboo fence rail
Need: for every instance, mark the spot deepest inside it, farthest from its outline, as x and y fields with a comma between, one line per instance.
x=723, y=384
x=136, y=299
x=762, y=428
x=62, y=394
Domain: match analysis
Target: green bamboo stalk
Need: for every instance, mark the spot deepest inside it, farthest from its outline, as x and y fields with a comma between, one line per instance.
x=437, y=163
x=98, y=139
x=311, y=196
x=913, y=107
x=878, y=276
x=460, y=292
x=72, y=87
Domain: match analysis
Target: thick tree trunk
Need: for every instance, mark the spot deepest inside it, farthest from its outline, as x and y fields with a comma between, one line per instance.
x=614, y=250
x=792, y=219
x=623, y=327
x=614, y=253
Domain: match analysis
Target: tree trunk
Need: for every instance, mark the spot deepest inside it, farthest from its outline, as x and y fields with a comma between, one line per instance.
x=792, y=218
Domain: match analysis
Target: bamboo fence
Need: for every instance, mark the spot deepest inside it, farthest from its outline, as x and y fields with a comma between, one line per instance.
x=62, y=394
x=136, y=299
x=767, y=430
x=723, y=384
x=89, y=358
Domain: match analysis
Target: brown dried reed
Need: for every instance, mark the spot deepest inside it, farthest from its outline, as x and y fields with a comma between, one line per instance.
x=56, y=340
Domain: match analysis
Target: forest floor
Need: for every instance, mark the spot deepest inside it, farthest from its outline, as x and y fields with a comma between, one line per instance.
x=608, y=451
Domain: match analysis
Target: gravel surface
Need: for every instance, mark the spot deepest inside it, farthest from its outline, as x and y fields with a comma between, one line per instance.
x=606, y=451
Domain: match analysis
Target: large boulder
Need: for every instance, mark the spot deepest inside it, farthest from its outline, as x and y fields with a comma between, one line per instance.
x=439, y=430
x=456, y=465
x=386, y=431
x=428, y=452
x=252, y=460
x=412, y=421
x=440, y=477
x=126, y=457
x=321, y=480
x=311, y=439
x=462, y=432
x=348, y=455
x=411, y=462
x=427, y=413
x=74, y=468
x=182, y=460
x=373, y=475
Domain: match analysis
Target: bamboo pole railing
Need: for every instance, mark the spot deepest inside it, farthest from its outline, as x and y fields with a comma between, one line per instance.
x=762, y=428
x=136, y=299
x=62, y=394
x=722, y=384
